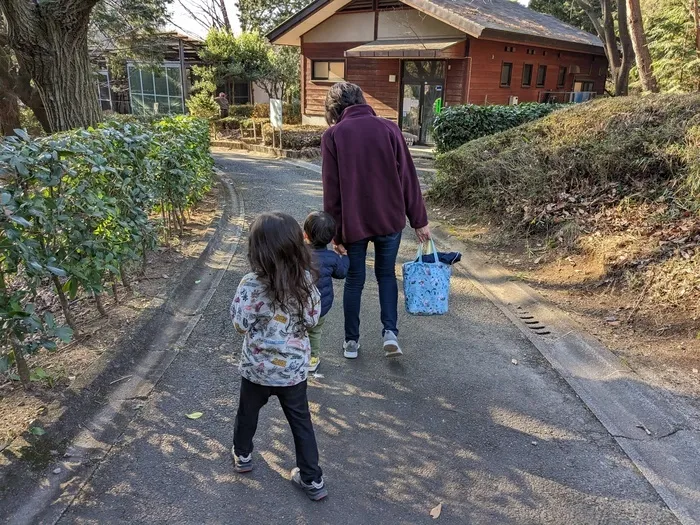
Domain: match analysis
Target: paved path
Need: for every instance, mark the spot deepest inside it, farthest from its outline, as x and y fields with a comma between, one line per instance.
x=454, y=421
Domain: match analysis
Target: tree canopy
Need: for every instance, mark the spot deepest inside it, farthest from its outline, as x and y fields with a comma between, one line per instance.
x=565, y=10
x=264, y=15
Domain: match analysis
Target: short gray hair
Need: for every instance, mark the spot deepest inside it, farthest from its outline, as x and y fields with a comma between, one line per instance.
x=341, y=96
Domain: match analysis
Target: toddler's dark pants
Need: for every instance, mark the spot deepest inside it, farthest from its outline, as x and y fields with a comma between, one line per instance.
x=296, y=408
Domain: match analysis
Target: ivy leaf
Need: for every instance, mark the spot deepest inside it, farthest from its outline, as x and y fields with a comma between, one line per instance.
x=37, y=431
x=5, y=198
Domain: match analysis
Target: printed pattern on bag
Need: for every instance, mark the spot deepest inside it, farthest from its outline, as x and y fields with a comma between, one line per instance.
x=426, y=287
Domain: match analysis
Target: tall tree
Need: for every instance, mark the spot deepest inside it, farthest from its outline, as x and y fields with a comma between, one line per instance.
x=641, y=49
x=264, y=15
x=615, y=37
x=565, y=10
x=50, y=41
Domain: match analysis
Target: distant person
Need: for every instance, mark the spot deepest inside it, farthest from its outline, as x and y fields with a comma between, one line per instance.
x=275, y=306
x=223, y=103
x=370, y=186
x=319, y=229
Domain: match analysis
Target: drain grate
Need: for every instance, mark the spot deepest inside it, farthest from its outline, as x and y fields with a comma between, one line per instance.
x=532, y=323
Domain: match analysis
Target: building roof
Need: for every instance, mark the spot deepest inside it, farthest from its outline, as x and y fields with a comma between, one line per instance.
x=489, y=19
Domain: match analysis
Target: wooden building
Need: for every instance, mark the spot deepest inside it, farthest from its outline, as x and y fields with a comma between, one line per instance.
x=408, y=54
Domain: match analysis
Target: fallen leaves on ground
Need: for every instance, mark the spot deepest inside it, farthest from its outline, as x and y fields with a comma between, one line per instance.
x=194, y=415
x=436, y=511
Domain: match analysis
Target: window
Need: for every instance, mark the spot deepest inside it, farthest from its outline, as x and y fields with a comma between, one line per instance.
x=530, y=51
x=510, y=49
x=541, y=75
x=333, y=71
x=104, y=90
x=561, y=79
x=241, y=91
x=506, y=73
x=527, y=75
x=155, y=90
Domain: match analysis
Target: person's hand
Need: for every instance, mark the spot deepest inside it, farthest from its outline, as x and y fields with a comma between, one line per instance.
x=340, y=249
x=423, y=233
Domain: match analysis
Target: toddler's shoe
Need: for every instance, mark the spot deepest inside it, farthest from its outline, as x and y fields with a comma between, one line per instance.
x=315, y=491
x=313, y=364
x=242, y=464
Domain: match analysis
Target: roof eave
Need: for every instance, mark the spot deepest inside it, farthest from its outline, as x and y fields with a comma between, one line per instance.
x=524, y=38
x=446, y=16
x=300, y=16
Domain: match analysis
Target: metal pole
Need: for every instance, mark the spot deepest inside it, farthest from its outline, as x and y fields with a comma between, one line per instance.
x=183, y=84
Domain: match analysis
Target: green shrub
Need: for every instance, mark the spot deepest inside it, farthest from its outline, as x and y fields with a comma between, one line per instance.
x=597, y=154
x=295, y=137
x=240, y=111
x=228, y=123
x=202, y=105
x=75, y=211
x=457, y=125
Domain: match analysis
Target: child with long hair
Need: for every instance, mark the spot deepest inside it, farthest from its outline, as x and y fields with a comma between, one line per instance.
x=275, y=305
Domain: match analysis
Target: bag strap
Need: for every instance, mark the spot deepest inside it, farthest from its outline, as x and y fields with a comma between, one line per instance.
x=431, y=246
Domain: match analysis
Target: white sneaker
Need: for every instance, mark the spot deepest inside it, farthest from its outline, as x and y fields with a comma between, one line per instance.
x=391, y=345
x=351, y=349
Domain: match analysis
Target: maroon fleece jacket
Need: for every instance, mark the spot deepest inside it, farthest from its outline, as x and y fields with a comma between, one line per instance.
x=370, y=184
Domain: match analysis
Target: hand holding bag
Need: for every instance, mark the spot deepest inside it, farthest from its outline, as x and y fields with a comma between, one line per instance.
x=426, y=285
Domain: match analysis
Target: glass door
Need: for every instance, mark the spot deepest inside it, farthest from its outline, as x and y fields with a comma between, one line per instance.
x=422, y=86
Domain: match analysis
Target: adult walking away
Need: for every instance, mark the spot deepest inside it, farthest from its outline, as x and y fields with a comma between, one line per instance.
x=370, y=186
x=223, y=103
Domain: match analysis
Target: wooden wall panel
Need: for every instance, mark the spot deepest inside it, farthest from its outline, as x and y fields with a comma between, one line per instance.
x=488, y=56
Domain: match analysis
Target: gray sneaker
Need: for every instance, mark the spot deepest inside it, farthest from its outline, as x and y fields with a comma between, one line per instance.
x=242, y=464
x=315, y=491
x=391, y=345
x=351, y=349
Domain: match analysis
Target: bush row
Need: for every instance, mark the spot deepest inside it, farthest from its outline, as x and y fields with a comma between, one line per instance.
x=295, y=137
x=76, y=212
x=291, y=113
x=457, y=125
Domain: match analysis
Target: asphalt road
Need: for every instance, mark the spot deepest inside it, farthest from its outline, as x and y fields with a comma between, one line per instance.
x=453, y=422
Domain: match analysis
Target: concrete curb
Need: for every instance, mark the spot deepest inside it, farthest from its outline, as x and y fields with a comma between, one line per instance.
x=651, y=427
x=176, y=319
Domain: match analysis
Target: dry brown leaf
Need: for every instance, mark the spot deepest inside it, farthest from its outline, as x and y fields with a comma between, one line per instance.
x=435, y=513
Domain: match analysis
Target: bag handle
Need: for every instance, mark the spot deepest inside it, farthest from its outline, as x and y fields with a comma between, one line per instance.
x=431, y=245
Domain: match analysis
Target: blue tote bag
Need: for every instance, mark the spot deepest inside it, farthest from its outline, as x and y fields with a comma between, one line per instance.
x=426, y=285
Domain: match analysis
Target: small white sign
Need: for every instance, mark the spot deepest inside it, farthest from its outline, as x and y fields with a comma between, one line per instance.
x=276, y=113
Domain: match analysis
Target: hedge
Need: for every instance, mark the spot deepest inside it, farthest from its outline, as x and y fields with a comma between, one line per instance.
x=77, y=210
x=457, y=125
x=295, y=137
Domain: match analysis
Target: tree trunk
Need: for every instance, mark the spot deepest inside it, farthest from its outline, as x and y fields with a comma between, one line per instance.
x=9, y=113
x=641, y=49
x=627, y=61
x=696, y=19
x=50, y=43
x=224, y=14
x=620, y=58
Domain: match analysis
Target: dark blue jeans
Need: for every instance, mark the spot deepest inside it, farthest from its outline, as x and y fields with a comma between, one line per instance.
x=386, y=248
